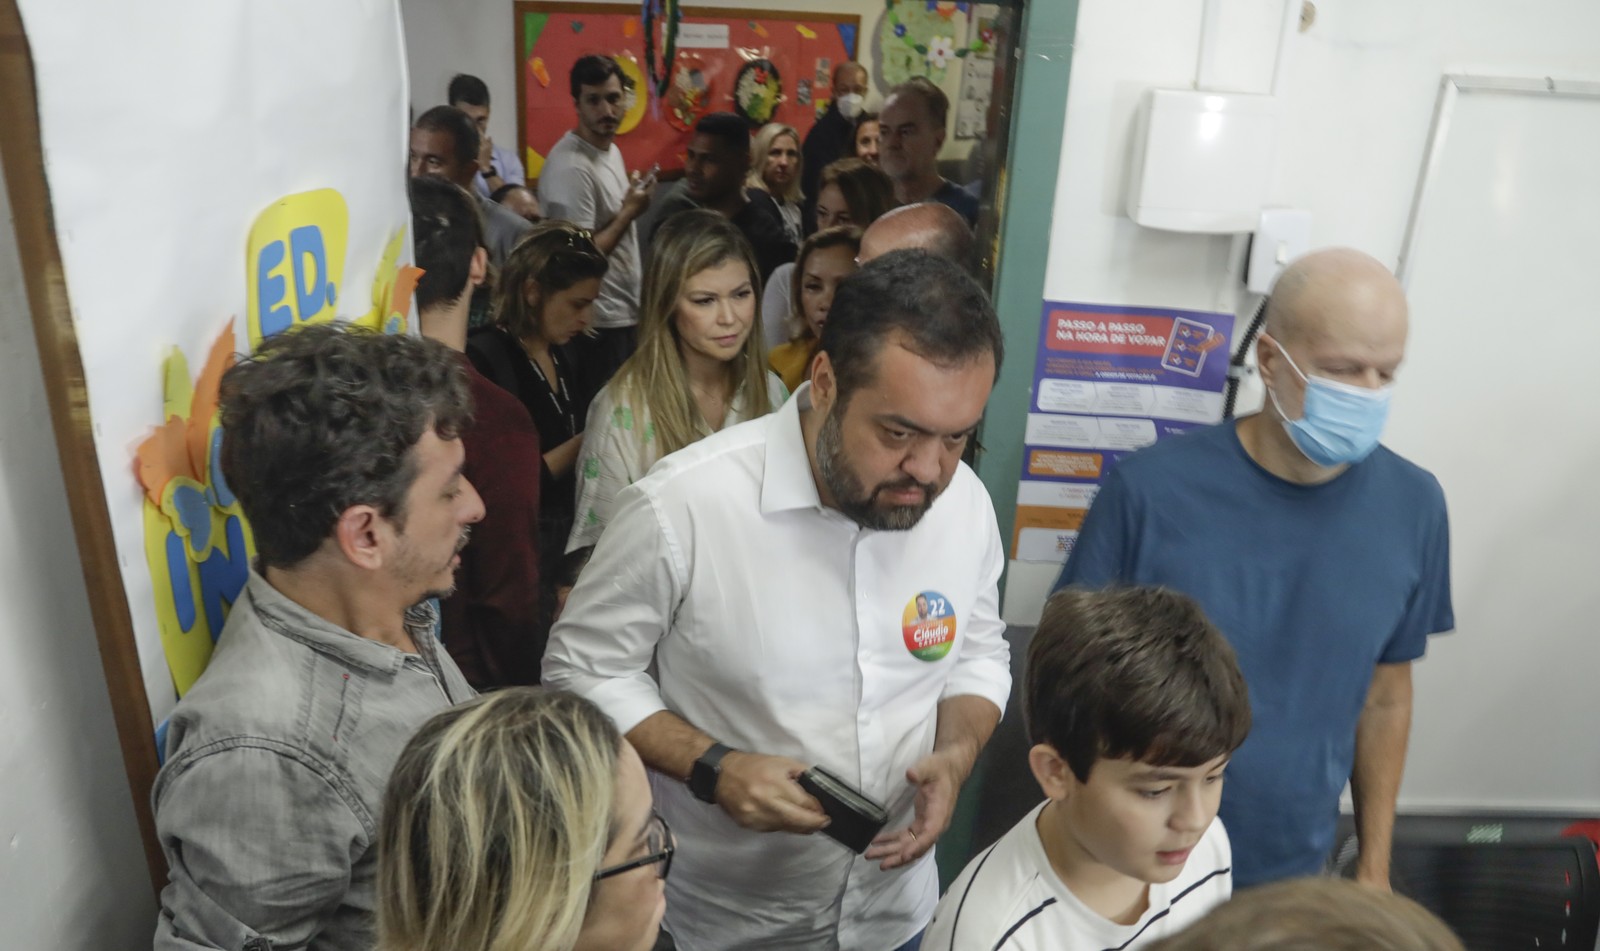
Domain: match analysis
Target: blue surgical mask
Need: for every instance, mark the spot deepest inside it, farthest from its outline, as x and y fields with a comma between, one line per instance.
x=1339, y=424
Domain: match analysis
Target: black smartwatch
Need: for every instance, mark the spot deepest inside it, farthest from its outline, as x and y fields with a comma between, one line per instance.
x=707, y=769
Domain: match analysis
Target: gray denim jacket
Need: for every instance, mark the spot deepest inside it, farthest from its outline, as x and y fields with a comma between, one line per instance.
x=267, y=807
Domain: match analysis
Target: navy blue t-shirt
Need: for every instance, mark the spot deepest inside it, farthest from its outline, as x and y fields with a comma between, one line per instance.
x=964, y=203
x=1313, y=586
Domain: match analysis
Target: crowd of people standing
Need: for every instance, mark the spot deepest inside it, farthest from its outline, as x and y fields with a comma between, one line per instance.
x=623, y=593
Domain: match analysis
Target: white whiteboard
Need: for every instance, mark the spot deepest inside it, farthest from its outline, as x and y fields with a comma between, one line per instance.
x=1500, y=398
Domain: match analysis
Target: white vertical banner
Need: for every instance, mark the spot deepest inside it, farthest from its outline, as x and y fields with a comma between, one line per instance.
x=219, y=170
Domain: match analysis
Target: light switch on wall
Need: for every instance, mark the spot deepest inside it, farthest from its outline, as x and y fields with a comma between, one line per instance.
x=1282, y=235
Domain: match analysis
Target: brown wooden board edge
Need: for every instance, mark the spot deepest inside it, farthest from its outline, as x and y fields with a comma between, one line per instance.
x=22, y=153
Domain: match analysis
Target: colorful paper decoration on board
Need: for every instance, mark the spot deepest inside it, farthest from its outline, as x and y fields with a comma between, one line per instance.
x=671, y=12
x=757, y=91
x=689, y=96
x=635, y=97
x=917, y=38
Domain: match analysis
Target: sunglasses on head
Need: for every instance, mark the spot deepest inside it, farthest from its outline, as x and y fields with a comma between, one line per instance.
x=576, y=247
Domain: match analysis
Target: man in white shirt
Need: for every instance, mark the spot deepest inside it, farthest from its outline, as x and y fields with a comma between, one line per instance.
x=584, y=181
x=771, y=573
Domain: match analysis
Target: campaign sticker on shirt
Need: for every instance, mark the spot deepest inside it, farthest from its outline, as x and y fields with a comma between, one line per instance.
x=929, y=625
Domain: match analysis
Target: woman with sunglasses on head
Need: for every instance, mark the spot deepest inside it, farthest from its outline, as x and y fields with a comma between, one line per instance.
x=544, y=297
x=850, y=192
x=700, y=367
x=520, y=819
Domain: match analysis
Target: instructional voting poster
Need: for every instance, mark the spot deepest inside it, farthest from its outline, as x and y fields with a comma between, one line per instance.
x=1108, y=381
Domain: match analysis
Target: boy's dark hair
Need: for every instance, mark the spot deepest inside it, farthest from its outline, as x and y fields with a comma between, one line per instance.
x=940, y=313
x=321, y=418
x=447, y=229
x=1136, y=673
x=594, y=70
x=468, y=89
x=731, y=132
x=456, y=124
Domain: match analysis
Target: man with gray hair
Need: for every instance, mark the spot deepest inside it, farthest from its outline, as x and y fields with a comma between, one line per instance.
x=913, y=124
x=1321, y=555
x=871, y=647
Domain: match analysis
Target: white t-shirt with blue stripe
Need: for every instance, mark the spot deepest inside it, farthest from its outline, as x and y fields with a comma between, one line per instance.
x=1008, y=898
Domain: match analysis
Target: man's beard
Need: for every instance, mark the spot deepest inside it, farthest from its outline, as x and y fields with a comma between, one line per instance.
x=444, y=593
x=853, y=499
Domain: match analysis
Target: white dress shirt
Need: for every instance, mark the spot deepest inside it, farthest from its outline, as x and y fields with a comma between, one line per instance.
x=779, y=626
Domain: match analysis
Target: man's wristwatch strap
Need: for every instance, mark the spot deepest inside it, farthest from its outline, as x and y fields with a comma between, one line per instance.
x=706, y=771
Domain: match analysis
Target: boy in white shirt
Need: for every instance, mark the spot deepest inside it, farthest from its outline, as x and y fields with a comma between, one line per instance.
x=1133, y=702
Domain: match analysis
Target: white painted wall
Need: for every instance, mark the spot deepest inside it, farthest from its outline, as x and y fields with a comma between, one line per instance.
x=72, y=870
x=1358, y=97
x=445, y=37
x=1495, y=705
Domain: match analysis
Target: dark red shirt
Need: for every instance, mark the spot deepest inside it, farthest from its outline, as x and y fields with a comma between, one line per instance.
x=494, y=625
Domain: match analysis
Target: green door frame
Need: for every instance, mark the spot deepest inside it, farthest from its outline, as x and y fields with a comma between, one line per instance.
x=1028, y=198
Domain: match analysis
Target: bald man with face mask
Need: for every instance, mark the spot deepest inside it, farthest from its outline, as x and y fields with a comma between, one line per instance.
x=1322, y=556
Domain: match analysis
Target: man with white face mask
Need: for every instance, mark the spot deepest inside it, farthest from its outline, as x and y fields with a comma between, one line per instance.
x=832, y=138
x=1321, y=555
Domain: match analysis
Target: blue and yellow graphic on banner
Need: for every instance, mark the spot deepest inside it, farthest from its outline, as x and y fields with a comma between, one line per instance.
x=197, y=543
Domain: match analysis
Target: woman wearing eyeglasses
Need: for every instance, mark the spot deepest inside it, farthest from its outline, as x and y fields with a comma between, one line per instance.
x=700, y=366
x=544, y=296
x=520, y=820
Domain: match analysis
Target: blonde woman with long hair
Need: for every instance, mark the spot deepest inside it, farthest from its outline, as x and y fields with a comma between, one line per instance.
x=516, y=821
x=775, y=167
x=700, y=366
